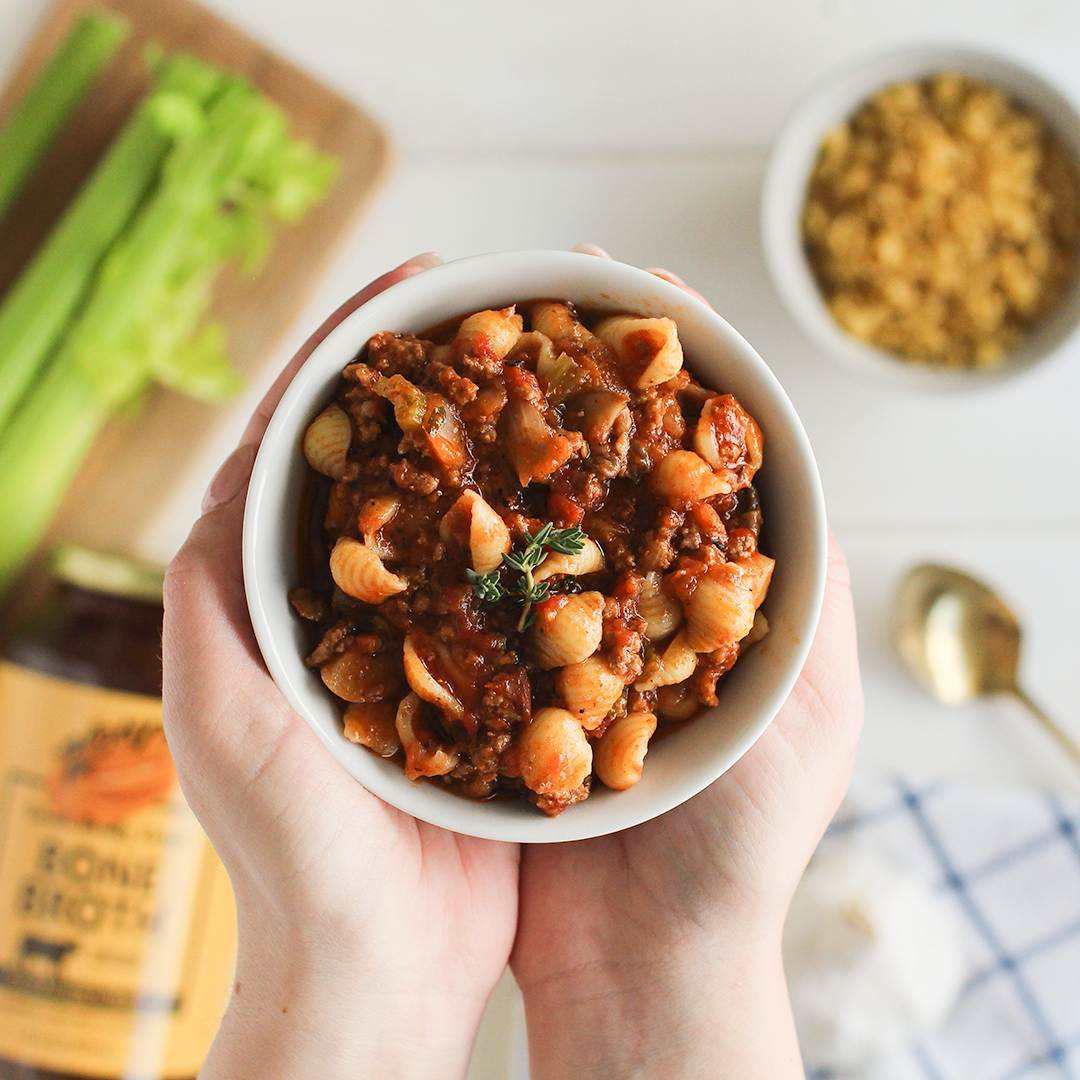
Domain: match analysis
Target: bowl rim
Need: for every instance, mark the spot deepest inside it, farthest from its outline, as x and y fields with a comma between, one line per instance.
x=263, y=531
x=785, y=182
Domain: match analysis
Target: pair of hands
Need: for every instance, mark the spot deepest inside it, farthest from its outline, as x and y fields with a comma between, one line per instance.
x=369, y=941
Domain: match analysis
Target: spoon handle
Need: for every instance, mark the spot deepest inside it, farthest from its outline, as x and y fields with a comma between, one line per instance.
x=1050, y=726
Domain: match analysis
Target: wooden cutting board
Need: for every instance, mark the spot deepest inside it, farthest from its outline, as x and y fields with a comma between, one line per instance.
x=139, y=460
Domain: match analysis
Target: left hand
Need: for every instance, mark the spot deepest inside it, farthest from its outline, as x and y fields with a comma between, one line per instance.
x=670, y=964
x=369, y=941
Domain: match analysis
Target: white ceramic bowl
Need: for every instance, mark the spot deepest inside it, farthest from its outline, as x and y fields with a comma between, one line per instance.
x=677, y=767
x=790, y=165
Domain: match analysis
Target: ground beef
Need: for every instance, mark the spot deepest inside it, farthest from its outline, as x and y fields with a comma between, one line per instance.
x=429, y=421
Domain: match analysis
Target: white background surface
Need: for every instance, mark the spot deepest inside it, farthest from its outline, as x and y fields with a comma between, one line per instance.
x=644, y=127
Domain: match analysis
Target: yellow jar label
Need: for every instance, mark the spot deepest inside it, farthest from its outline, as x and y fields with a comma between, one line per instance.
x=117, y=932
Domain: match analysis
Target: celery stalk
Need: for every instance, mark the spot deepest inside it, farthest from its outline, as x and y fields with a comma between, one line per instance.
x=39, y=307
x=43, y=448
x=201, y=175
x=232, y=168
x=90, y=45
x=95, y=371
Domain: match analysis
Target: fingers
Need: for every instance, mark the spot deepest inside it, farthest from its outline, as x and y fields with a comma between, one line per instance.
x=257, y=425
x=829, y=690
x=837, y=570
x=204, y=585
x=666, y=275
x=230, y=479
x=590, y=249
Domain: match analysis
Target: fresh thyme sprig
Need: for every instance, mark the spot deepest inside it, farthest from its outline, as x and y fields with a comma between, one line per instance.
x=526, y=590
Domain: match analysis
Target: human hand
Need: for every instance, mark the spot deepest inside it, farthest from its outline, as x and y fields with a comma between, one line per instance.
x=656, y=951
x=369, y=941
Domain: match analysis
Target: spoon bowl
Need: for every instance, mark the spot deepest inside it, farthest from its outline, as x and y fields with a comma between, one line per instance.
x=962, y=641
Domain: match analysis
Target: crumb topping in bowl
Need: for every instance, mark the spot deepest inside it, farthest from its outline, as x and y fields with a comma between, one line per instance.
x=941, y=221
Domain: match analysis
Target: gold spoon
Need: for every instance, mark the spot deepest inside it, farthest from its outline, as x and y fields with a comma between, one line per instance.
x=961, y=641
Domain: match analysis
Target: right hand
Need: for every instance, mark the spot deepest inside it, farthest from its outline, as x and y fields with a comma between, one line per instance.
x=369, y=940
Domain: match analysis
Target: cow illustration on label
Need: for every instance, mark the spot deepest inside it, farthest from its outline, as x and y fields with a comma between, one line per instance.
x=44, y=956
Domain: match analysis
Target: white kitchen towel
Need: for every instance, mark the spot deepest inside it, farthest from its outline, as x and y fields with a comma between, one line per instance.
x=1008, y=861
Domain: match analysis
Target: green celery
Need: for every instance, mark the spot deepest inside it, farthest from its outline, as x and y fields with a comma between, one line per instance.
x=175, y=345
x=43, y=448
x=562, y=378
x=202, y=173
x=91, y=43
x=50, y=436
x=40, y=305
x=139, y=321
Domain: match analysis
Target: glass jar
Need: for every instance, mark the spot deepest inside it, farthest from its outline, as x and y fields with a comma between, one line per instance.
x=117, y=928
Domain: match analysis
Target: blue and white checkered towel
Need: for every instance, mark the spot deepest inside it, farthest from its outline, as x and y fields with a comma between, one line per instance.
x=1008, y=861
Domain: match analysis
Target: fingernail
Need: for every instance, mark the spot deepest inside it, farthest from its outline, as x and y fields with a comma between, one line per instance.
x=231, y=478
x=427, y=260
x=591, y=249
x=667, y=275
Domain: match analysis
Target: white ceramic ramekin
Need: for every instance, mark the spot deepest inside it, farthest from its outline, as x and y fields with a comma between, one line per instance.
x=790, y=165
x=678, y=766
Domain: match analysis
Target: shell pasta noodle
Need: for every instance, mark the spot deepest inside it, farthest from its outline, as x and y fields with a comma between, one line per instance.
x=531, y=547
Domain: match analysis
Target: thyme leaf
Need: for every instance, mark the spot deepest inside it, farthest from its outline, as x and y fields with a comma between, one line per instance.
x=491, y=589
x=487, y=586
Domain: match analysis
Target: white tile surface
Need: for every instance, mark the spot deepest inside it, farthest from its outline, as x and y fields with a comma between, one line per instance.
x=576, y=76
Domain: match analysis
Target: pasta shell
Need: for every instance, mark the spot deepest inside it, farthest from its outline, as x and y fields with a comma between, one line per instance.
x=489, y=538
x=728, y=438
x=536, y=350
x=424, y=755
x=676, y=665
x=327, y=441
x=648, y=349
x=595, y=413
x=683, y=477
x=552, y=754
x=620, y=753
x=759, y=630
x=372, y=725
x=568, y=629
x=472, y=519
x=490, y=334
x=556, y=321
x=589, y=689
x=758, y=569
x=374, y=515
x=587, y=561
x=722, y=609
x=424, y=683
x=663, y=614
x=676, y=704
x=359, y=571
x=360, y=676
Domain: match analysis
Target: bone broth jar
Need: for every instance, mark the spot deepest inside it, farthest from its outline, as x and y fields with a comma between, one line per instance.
x=117, y=930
